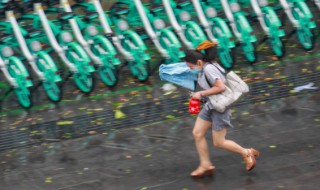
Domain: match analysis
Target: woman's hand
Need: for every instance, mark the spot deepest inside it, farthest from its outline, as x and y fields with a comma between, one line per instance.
x=197, y=95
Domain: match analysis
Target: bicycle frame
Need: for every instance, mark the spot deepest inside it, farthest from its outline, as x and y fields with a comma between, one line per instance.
x=97, y=46
x=40, y=61
x=163, y=38
x=241, y=28
x=217, y=31
x=301, y=18
x=128, y=42
x=122, y=34
x=15, y=72
x=76, y=31
x=270, y=24
x=71, y=53
x=190, y=32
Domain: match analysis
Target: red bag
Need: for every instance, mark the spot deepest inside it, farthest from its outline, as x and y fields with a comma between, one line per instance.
x=194, y=106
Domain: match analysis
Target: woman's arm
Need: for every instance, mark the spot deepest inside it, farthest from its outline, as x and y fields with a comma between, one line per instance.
x=216, y=88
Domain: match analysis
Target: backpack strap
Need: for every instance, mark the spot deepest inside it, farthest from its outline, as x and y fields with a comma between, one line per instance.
x=223, y=73
x=205, y=76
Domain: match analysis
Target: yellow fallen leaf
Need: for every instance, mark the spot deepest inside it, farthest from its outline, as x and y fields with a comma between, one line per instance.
x=292, y=91
x=48, y=180
x=245, y=113
x=170, y=117
x=119, y=114
x=167, y=93
x=65, y=122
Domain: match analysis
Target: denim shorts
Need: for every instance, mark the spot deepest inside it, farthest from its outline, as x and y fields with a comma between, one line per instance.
x=219, y=120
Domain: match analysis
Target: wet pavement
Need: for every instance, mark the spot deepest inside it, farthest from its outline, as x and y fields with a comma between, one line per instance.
x=161, y=154
x=137, y=136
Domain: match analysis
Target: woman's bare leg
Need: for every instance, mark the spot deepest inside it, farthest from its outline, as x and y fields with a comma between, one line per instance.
x=220, y=141
x=199, y=131
x=247, y=154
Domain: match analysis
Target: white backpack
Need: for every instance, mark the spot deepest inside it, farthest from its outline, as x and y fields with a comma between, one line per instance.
x=234, y=88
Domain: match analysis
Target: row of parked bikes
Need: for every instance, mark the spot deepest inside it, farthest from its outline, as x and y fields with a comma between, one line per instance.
x=84, y=38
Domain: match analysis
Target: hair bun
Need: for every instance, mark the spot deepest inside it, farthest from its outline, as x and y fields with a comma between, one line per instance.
x=205, y=45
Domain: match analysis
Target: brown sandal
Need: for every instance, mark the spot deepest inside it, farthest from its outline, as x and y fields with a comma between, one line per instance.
x=250, y=159
x=201, y=172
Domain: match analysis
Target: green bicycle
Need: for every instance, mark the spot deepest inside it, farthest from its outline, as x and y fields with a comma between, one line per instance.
x=15, y=72
x=98, y=47
x=163, y=38
x=27, y=42
x=59, y=36
x=188, y=30
x=301, y=18
x=270, y=24
x=217, y=30
x=241, y=28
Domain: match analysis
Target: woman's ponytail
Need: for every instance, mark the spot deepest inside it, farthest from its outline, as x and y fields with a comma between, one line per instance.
x=210, y=50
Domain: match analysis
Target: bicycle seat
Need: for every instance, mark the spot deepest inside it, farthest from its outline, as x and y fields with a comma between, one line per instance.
x=50, y=2
x=109, y=36
x=79, y=1
x=140, y=30
x=156, y=8
x=26, y=7
x=32, y=32
x=91, y=15
x=65, y=16
x=182, y=3
x=2, y=13
x=6, y=37
x=119, y=9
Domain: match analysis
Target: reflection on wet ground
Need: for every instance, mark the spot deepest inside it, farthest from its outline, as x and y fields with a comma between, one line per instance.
x=136, y=136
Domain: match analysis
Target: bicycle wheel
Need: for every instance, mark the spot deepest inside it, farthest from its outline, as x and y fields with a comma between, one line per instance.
x=107, y=71
x=83, y=79
x=306, y=38
x=133, y=44
x=169, y=41
x=249, y=51
x=108, y=75
x=226, y=57
x=277, y=46
x=16, y=70
x=53, y=91
x=194, y=33
x=142, y=72
x=46, y=65
x=24, y=96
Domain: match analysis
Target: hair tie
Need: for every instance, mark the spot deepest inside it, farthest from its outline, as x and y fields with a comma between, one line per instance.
x=205, y=45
